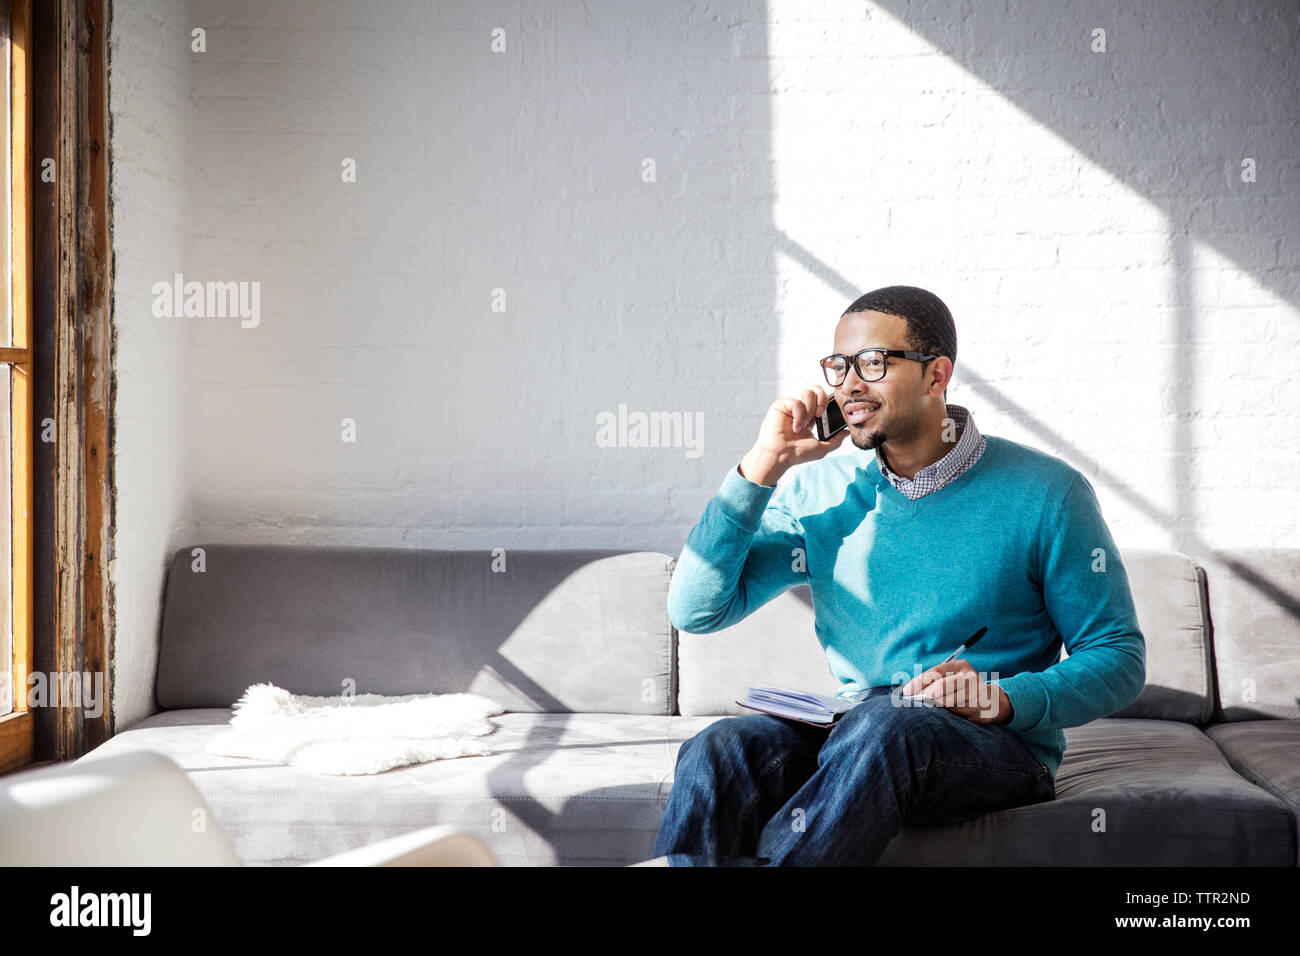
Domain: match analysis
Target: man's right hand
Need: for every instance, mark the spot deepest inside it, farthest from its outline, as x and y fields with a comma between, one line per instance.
x=787, y=438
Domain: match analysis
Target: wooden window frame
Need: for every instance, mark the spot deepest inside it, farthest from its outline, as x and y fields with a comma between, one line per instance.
x=17, y=728
x=68, y=294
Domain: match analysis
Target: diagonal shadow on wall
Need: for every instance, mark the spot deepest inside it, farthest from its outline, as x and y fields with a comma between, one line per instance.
x=1149, y=109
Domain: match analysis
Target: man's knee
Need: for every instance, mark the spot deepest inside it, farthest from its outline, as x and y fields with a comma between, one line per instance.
x=724, y=733
x=744, y=737
x=882, y=722
x=718, y=737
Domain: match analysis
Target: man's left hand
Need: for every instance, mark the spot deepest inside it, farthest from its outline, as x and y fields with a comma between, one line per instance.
x=956, y=686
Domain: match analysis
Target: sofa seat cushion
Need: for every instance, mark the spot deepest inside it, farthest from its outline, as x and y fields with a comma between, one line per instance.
x=561, y=790
x=1163, y=791
x=589, y=789
x=1266, y=752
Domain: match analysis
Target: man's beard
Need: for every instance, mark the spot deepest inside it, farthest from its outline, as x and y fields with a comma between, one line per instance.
x=867, y=438
x=876, y=435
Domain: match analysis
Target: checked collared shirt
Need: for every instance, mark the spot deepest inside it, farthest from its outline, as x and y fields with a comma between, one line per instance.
x=970, y=445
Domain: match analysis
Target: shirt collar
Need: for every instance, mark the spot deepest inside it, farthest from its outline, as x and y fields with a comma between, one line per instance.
x=967, y=441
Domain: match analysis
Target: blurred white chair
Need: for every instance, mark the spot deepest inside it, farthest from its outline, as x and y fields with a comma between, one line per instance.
x=141, y=809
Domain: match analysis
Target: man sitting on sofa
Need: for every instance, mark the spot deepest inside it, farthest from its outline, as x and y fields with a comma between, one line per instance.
x=907, y=553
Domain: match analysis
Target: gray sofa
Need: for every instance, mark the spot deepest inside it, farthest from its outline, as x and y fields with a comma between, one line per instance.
x=601, y=690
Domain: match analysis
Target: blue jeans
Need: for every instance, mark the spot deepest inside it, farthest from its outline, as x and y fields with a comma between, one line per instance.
x=759, y=790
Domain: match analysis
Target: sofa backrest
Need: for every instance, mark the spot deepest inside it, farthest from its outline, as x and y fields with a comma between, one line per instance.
x=777, y=645
x=1169, y=595
x=550, y=631
x=1254, y=605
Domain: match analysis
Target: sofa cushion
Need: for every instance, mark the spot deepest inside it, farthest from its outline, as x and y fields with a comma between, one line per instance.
x=554, y=631
x=777, y=644
x=1169, y=597
x=1254, y=603
x=1266, y=752
x=560, y=790
x=590, y=789
x=1163, y=791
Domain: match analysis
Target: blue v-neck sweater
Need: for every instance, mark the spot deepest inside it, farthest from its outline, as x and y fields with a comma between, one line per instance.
x=1017, y=543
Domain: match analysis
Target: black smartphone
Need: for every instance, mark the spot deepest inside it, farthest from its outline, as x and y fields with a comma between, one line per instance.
x=831, y=422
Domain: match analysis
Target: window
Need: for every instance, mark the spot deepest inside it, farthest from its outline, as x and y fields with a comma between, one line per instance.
x=17, y=731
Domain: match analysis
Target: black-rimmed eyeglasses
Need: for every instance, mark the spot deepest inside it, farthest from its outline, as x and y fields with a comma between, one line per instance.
x=870, y=364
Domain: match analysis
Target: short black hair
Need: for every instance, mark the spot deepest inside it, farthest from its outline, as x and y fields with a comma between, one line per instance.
x=929, y=323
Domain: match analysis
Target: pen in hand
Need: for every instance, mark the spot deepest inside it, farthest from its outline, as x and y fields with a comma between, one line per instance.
x=969, y=642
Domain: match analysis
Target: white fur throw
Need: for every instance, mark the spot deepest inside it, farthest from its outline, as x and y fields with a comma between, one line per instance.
x=366, y=733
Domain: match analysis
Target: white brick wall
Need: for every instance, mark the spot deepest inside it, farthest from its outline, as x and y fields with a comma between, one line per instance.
x=1122, y=298
x=151, y=181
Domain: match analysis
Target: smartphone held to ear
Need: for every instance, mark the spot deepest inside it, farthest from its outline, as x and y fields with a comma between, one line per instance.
x=830, y=422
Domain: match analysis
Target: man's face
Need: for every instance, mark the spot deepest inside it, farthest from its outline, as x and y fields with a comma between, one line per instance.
x=900, y=397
